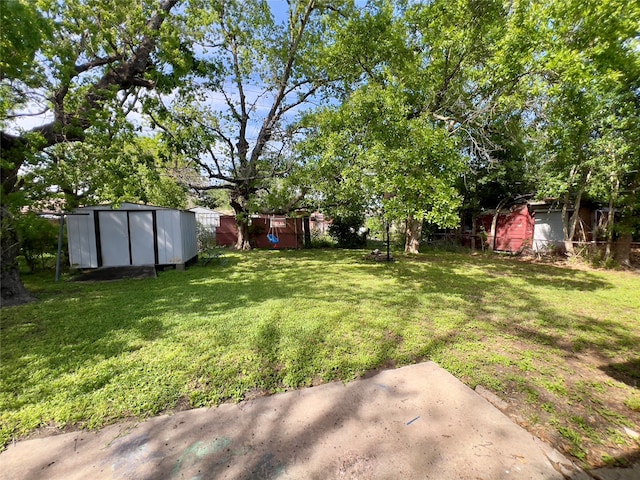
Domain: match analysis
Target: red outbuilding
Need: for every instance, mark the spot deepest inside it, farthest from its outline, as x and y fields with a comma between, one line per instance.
x=514, y=228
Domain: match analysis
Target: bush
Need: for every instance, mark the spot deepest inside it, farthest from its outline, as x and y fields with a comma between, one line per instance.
x=206, y=237
x=38, y=238
x=347, y=231
x=320, y=240
x=377, y=228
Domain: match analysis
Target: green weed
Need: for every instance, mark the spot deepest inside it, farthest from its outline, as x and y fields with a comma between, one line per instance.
x=269, y=321
x=633, y=402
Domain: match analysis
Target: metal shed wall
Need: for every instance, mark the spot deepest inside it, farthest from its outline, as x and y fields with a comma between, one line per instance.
x=113, y=232
x=177, y=239
x=82, y=241
x=169, y=237
x=548, y=230
x=141, y=237
x=189, y=229
x=133, y=235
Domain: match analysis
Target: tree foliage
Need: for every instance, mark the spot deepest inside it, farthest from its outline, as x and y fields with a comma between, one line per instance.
x=587, y=102
x=254, y=71
x=38, y=237
x=21, y=36
x=94, y=59
x=107, y=169
x=424, y=102
x=346, y=230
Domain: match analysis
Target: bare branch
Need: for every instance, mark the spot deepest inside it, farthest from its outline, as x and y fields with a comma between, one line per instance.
x=301, y=100
x=160, y=124
x=230, y=146
x=217, y=163
x=231, y=105
x=267, y=125
x=98, y=62
x=205, y=188
x=243, y=117
x=33, y=114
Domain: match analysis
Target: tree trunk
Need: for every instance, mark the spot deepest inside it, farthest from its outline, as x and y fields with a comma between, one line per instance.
x=243, y=234
x=307, y=231
x=12, y=291
x=628, y=222
x=474, y=231
x=623, y=249
x=567, y=238
x=238, y=203
x=494, y=223
x=413, y=235
x=569, y=223
x=613, y=197
x=11, y=287
x=569, y=226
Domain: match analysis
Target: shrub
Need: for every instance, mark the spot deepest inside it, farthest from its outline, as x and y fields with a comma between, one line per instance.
x=206, y=237
x=321, y=240
x=38, y=238
x=347, y=231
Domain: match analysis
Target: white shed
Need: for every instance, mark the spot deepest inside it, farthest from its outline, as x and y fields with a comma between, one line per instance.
x=207, y=218
x=208, y=221
x=131, y=235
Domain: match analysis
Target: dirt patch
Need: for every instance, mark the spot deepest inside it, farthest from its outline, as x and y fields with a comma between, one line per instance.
x=580, y=410
x=378, y=256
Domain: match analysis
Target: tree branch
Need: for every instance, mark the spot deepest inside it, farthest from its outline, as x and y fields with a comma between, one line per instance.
x=265, y=131
x=98, y=62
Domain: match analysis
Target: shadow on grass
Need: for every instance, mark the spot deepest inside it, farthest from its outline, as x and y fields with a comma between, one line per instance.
x=497, y=290
x=625, y=372
x=108, y=320
x=402, y=313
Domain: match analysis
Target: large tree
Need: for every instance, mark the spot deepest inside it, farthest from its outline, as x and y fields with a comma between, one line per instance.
x=586, y=97
x=257, y=66
x=93, y=58
x=371, y=154
x=432, y=79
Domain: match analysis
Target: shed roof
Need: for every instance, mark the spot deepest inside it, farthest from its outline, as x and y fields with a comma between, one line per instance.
x=127, y=206
x=204, y=210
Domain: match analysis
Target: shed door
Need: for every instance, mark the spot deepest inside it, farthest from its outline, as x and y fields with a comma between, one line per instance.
x=141, y=236
x=547, y=230
x=114, y=238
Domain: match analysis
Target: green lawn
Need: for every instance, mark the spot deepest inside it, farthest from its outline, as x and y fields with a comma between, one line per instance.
x=561, y=345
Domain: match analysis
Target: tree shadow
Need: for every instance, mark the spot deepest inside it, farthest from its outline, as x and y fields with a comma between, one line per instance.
x=120, y=317
x=625, y=372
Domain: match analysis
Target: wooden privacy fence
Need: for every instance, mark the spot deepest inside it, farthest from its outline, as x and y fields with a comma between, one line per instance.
x=289, y=231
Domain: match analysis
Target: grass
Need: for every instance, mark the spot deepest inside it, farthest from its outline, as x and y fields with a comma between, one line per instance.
x=559, y=344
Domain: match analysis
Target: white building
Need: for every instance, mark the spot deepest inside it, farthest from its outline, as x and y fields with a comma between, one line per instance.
x=131, y=235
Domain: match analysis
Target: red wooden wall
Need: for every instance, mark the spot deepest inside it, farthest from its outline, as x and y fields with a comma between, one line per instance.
x=514, y=229
x=291, y=236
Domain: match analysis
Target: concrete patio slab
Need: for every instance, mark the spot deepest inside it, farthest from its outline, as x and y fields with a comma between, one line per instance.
x=415, y=422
